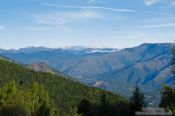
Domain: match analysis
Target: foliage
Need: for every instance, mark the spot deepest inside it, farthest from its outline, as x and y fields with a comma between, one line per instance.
x=85, y=108
x=103, y=108
x=64, y=93
x=168, y=99
x=25, y=102
x=137, y=100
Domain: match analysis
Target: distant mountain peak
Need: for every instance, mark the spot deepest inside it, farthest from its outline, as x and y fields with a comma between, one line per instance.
x=76, y=48
x=32, y=49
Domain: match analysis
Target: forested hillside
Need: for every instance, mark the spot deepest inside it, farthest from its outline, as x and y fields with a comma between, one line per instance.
x=65, y=93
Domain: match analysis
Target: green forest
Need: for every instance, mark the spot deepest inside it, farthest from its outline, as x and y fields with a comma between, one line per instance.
x=62, y=95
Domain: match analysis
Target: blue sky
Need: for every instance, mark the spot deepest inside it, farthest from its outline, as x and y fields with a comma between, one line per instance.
x=91, y=23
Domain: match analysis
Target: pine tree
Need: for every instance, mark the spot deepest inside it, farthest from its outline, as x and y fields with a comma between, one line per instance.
x=137, y=101
x=104, y=106
x=86, y=108
x=167, y=94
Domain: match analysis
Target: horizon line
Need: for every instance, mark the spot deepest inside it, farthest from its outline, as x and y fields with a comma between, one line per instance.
x=91, y=47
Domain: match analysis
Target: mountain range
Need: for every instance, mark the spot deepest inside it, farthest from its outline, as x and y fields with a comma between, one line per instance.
x=118, y=70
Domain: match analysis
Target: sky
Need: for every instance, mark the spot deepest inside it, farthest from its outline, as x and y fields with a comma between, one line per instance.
x=89, y=23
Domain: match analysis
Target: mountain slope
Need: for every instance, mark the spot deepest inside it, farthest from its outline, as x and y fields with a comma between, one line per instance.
x=40, y=67
x=65, y=92
x=89, y=65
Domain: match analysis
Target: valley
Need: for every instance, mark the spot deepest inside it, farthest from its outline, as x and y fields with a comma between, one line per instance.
x=148, y=65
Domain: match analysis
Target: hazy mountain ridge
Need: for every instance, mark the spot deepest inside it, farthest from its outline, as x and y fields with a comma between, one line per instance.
x=33, y=49
x=96, y=65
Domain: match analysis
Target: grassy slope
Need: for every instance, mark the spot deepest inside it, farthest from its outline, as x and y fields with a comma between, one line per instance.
x=64, y=92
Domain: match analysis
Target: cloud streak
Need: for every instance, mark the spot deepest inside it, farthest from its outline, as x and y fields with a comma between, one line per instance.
x=66, y=17
x=90, y=7
x=158, y=13
x=108, y=8
x=163, y=25
x=61, y=21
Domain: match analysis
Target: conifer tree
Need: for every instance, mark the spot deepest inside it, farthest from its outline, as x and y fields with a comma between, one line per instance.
x=104, y=106
x=137, y=101
x=168, y=98
x=85, y=108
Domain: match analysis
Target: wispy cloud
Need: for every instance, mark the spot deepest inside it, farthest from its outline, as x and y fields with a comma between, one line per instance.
x=153, y=2
x=91, y=1
x=159, y=20
x=89, y=7
x=158, y=13
x=150, y=2
x=1, y=28
x=66, y=17
x=163, y=25
x=173, y=2
x=41, y=28
x=61, y=20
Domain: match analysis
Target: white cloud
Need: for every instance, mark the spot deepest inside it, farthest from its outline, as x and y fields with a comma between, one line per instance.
x=150, y=2
x=163, y=25
x=90, y=7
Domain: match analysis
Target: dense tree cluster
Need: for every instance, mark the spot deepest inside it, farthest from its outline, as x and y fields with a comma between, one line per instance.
x=25, y=102
x=103, y=108
x=64, y=93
